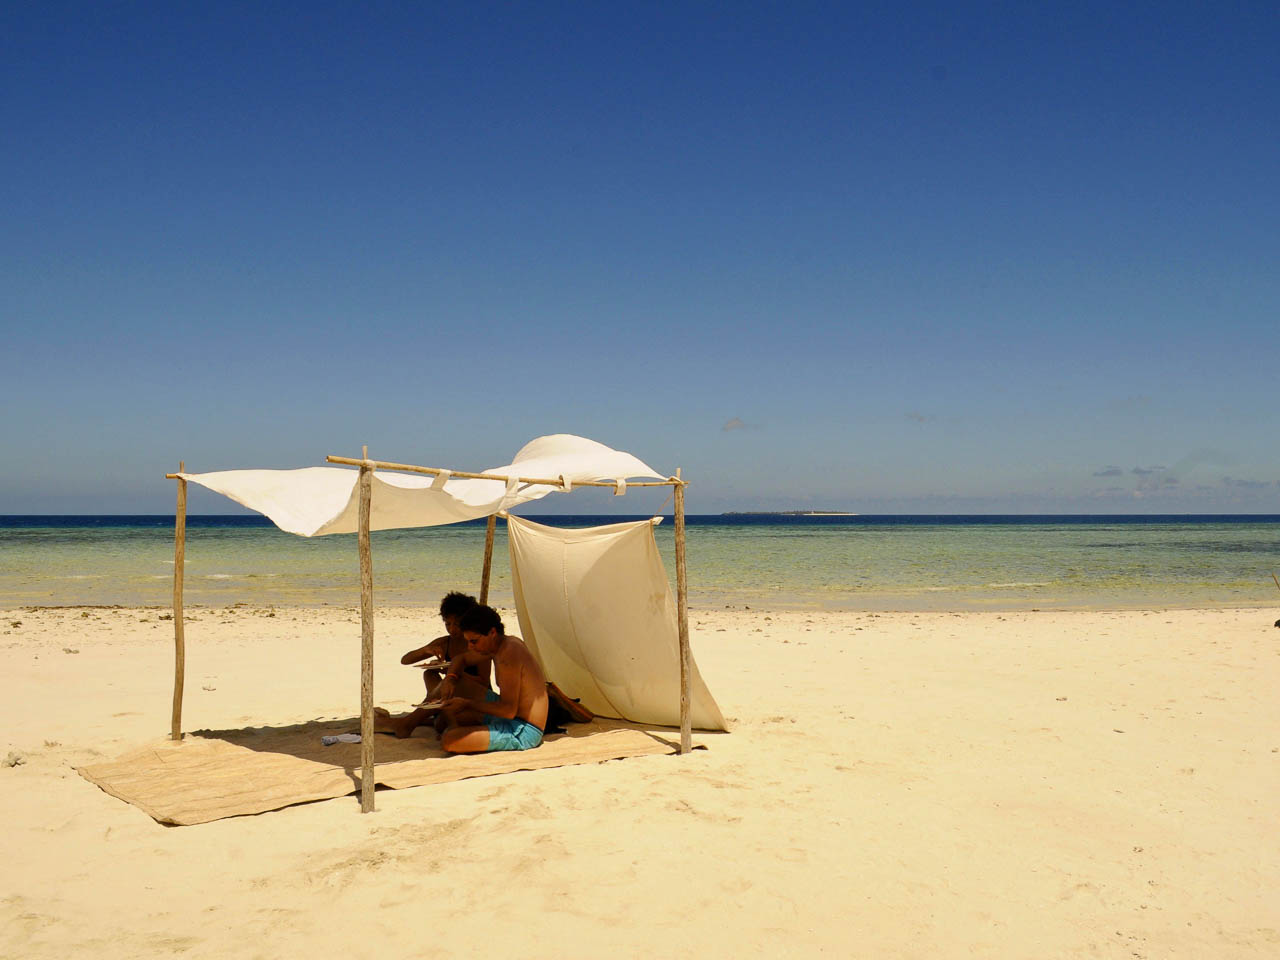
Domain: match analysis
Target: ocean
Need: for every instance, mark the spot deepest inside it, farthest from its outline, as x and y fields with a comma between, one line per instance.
x=756, y=560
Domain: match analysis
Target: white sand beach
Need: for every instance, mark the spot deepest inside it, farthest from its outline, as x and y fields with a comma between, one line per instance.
x=915, y=785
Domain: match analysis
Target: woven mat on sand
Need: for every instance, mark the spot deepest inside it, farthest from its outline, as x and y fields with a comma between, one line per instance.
x=211, y=774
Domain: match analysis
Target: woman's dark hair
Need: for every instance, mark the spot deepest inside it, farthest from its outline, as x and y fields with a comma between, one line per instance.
x=455, y=604
x=481, y=619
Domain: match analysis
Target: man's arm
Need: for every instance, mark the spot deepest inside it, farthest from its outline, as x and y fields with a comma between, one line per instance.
x=508, y=703
x=454, y=672
x=436, y=648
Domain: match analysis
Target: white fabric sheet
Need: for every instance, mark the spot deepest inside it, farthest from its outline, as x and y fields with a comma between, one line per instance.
x=315, y=501
x=596, y=608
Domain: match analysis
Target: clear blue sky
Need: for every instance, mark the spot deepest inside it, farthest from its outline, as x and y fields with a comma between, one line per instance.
x=885, y=257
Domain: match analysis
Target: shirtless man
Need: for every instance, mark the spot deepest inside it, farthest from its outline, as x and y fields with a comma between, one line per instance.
x=510, y=720
x=473, y=670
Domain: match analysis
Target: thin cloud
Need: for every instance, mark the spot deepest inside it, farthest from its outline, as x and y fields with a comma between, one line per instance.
x=737, y=423
x=1245, y=484
x=1160, y=479
x=1109, y=471
x=1154, y=479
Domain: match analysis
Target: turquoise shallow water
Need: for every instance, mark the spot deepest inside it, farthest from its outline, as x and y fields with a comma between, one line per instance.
x=864, y=562
x=1022, y=565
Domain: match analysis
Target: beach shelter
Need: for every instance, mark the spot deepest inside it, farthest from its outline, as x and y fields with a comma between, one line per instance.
x=607, y=571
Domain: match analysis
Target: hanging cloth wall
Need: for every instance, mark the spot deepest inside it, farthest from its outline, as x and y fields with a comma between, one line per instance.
x=596, y=609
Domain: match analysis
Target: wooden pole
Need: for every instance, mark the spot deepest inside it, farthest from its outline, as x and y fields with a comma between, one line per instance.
x=461, y=475
x=488, y=557
x=179, y=575
x=682, y=611
x=366, y=639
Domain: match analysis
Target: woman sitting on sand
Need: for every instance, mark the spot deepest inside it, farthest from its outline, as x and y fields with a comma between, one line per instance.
x=453, y=644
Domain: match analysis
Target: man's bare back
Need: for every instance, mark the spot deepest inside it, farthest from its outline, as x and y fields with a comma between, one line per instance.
x=517, y=670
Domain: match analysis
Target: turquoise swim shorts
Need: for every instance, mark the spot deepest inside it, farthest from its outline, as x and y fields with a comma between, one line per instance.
x=515, y=734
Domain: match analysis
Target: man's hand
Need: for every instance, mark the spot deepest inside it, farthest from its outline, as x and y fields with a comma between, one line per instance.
x=454, y=704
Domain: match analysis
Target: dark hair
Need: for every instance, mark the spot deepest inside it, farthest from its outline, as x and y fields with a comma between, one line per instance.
x=455, y=604
x=481, y=619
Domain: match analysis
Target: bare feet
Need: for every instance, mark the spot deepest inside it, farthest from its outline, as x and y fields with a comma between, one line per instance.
x=402, y=727
x=383, y=721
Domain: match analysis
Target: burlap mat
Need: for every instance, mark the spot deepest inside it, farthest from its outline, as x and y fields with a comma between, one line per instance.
x=211, y=774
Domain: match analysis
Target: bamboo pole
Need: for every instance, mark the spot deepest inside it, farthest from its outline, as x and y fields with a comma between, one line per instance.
x=682, y=611
x=488, y=557
x=179, y=576
x=366, y=640
x=458, y=474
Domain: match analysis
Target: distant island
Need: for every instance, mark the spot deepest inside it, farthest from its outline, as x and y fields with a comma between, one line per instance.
x=788, y=513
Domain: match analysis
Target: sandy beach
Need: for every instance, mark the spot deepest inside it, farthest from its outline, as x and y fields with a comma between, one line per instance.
x=1030, y=784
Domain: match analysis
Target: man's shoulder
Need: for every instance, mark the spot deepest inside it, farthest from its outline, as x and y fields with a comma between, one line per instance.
x=515, y=645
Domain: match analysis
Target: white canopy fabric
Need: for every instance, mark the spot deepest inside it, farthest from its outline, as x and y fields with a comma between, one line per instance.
x=315, y=501
x=596, y=609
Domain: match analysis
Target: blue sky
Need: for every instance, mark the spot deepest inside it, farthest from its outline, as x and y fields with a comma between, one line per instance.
x=885, y=258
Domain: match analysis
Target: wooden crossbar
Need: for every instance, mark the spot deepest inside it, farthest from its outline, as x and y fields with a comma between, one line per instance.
x=541, y=481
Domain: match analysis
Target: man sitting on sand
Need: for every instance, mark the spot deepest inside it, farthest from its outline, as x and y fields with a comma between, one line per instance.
x=512, y=719
x=484, y=721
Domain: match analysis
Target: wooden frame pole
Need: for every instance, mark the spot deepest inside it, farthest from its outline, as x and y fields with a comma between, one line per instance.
x=488, y=557
x=179, y=576
x=366, y=639
x=463, y=475
x=682, y=612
